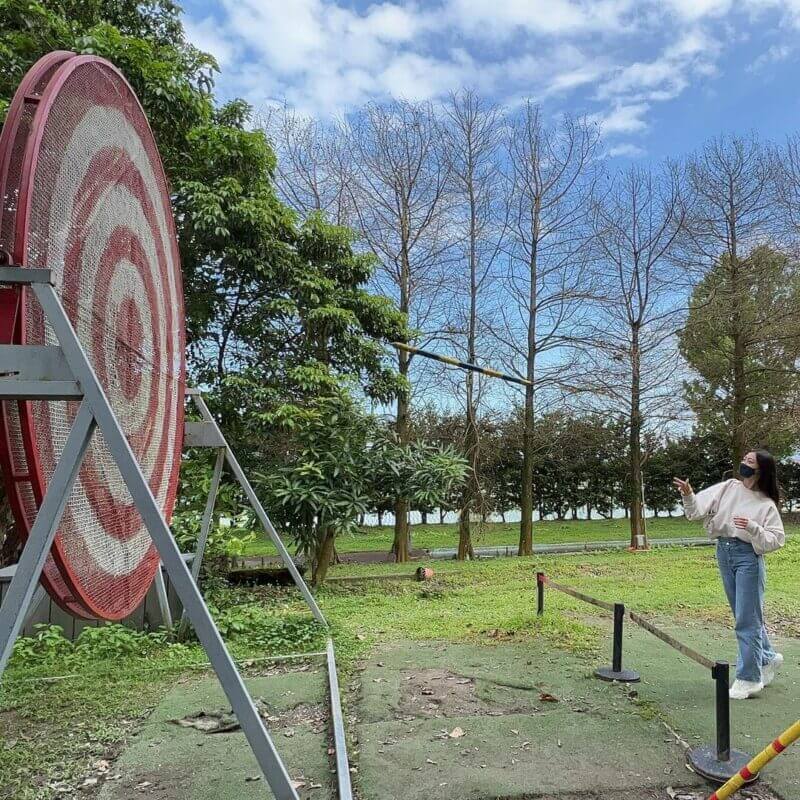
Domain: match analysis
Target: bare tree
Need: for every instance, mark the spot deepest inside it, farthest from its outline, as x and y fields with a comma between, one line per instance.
x=311, y=172
x=734, y=184
x=472, y=137
x=398, y=189
x=634, y=365
x=552, y=170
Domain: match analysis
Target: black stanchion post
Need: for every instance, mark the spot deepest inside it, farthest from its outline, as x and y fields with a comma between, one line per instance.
x=719, y=763
x=539, y=594
x=616, y=672
x=721, y=675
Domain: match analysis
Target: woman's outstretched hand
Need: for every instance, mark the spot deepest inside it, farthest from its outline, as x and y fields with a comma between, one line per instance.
x=684, y=487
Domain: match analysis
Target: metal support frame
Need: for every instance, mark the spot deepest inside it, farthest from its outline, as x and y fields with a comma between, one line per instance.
x=337, y=722
x=205, y=528
x=255, y=503
x=34, y=554
x=95, y=412
x=208, y=434
x=163, y=599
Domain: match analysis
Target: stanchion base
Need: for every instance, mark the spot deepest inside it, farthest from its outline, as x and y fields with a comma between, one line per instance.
x=704, y=761
x=623, y=676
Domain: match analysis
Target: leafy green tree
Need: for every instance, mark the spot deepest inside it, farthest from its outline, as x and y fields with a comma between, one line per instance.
x=338, y=456
x=742, y=338
x=789, y=472
x=278, y=314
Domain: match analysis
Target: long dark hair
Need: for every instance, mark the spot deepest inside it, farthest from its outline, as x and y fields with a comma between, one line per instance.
x=768, y=475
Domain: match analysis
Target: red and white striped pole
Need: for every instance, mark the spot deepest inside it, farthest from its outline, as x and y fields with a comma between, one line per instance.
x=747, y=773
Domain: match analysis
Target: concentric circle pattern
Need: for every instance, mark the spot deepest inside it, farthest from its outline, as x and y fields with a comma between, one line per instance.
x=94, y=208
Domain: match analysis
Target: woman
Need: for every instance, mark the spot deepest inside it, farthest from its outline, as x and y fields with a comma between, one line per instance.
x=742, y=515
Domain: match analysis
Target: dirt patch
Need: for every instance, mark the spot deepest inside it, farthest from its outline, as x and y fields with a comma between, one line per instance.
x=441, y=693
x=311, y=716
x=161, y=784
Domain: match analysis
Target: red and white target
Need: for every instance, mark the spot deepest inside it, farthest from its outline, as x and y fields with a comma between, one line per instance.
x=15, y=442
x=94, y=208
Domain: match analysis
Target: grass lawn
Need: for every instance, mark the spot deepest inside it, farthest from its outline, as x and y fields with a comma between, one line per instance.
x=497, y=534
x=55, y=735
x=467, y=599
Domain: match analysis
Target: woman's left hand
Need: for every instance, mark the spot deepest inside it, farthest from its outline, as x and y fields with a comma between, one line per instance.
x=741, y=522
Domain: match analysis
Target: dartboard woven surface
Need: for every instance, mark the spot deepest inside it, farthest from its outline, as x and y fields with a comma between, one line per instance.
x=94, y=208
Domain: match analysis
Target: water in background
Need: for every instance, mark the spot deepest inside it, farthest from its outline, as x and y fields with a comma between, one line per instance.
x=371, y=520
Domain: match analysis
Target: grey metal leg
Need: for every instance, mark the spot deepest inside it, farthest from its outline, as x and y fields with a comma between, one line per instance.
x=340, y=745
x=208, y=513
x=37, y=598
x=205, y=528
x=34, y=554
x=163, y=600
x=263, y=518
x=207, y=632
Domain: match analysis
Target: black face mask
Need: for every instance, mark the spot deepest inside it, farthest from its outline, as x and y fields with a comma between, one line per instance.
x=746, y=471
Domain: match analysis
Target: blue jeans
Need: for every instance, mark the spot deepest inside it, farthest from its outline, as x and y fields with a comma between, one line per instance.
x=744, y=578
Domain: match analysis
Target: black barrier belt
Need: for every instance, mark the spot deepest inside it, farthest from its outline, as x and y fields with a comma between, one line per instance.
x=576, y=594
x=639, y=620
x=672, y=642
x=454, y=362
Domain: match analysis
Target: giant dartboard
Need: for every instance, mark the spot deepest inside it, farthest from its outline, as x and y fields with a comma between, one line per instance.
x=86, y=196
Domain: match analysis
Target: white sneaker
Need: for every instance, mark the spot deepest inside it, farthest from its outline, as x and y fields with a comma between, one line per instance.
x=741, y=690
x=768, y=671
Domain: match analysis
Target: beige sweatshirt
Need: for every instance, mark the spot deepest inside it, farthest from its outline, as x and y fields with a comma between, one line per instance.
x=765, y=530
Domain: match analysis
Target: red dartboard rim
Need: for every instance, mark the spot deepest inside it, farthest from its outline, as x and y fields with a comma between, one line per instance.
x=11, y=323
x=48, y=98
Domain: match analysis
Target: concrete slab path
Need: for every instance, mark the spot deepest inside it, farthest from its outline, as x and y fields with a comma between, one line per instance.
x=168, y=762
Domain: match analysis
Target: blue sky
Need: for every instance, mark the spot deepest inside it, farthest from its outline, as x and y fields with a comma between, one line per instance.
x=660, y=77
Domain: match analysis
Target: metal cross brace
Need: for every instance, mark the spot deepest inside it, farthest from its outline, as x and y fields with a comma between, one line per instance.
x=95, y=412
x=208, y=434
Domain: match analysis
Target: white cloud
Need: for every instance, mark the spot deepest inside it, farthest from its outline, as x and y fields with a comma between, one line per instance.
x=503, y=18
x=626, y=150
x=391, y=22
x=668, y=75
x=286, y=35
x=774, y=54
x=618, y=57
x=622, y=119
x=693, y=10
x=205, y=35
x=415, y=77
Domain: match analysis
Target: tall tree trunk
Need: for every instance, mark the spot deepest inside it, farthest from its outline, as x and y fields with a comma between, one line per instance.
x=424, y=517
x=442, y=512
x=739, y=404
x=471, y=494
x=526, y=506
x=526, y=522
x=380, y=518
x=637, y=527
x=471, y=489
x=323, y=557
x=402, y=537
